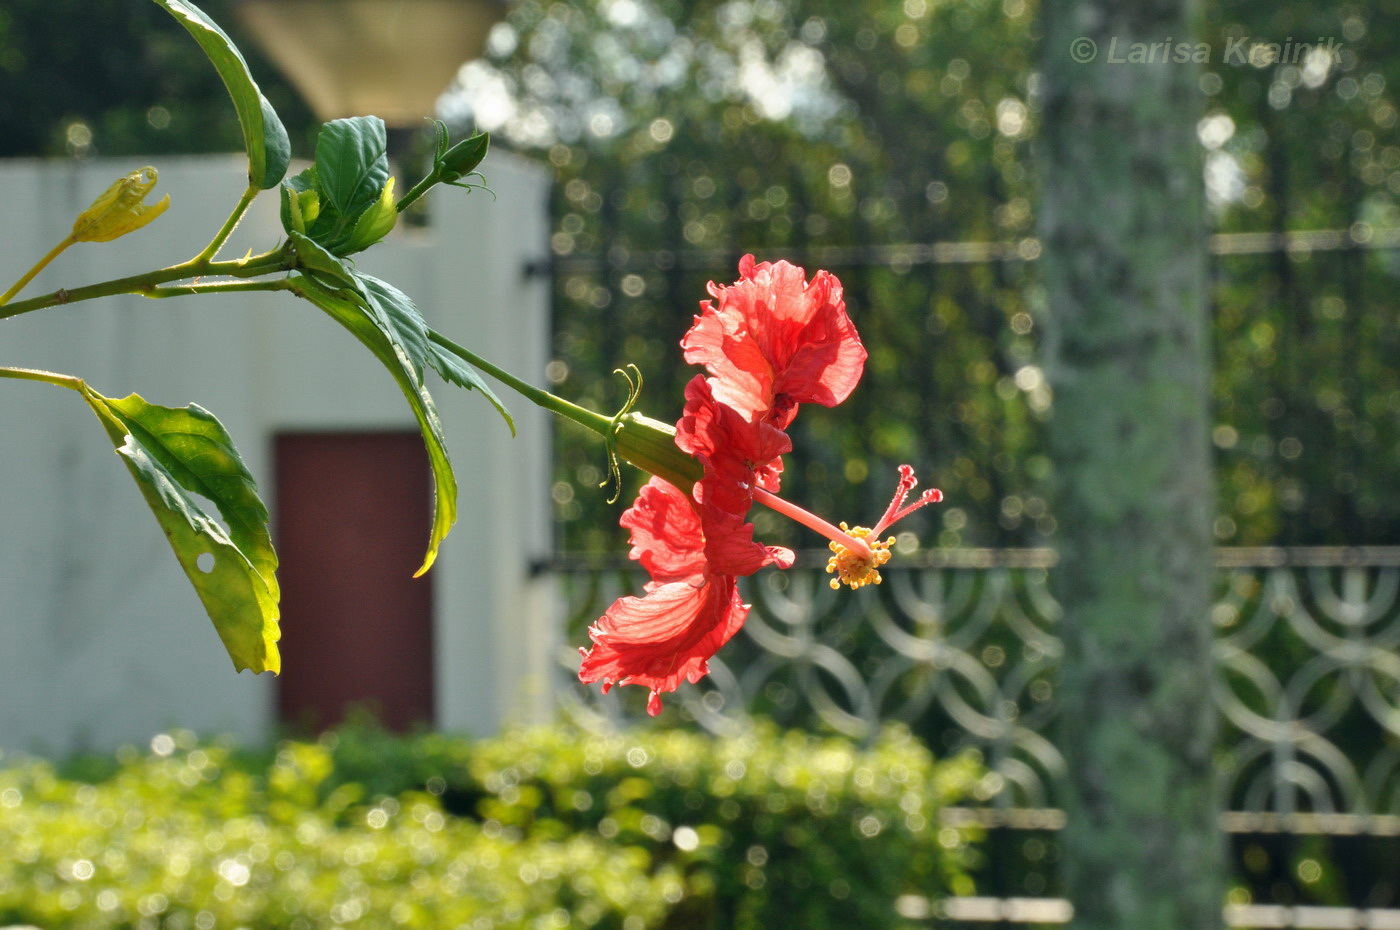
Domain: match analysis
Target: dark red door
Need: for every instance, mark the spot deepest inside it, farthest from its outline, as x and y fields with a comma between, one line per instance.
x=353, y=515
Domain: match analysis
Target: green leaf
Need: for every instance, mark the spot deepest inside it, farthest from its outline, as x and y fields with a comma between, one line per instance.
x=396, y=316
x=300, y=208
x=389, y=325
x=399, y=318
x=292, y=190
x=269, y=150
x=313, y=258
x=175, y=454
x=456, y=371
x=351, y=163
x=181, y=456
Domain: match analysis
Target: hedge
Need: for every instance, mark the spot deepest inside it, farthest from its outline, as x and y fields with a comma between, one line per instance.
x=547, y=828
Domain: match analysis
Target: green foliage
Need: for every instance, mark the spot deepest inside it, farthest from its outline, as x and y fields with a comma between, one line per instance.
x=1307, y=393
x=658, y=829
x=788, y=830
x=342, y=204
x=913, y=123
x=768, y=828
x=455, y=370
x=344, y=201
x=191, y=839
x=264, y=137
x=81, y=79
x=928, y=109
x=388, y=324
x=178, y=456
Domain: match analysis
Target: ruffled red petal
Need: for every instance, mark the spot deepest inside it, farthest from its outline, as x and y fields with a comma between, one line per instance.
x=737, y=455
x=665, y=637
x=772, y=340
x=667, y=537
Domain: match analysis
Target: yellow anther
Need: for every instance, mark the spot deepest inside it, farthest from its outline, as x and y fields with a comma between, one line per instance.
x=854, y=569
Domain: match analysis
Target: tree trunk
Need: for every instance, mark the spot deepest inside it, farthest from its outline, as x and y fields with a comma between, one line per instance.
x=1124, y=269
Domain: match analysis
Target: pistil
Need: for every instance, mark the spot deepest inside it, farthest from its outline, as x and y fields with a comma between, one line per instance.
x=813, y=522
x=857, y=552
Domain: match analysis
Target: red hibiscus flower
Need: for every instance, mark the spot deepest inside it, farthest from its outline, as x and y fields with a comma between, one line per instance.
x=772, y=342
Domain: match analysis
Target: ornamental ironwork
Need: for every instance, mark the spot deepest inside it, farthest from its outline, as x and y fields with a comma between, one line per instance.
x=961, y=647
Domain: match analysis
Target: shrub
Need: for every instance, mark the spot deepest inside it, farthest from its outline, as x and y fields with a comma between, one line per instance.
x=535, y=829
x=769, y=829
x=189, y=841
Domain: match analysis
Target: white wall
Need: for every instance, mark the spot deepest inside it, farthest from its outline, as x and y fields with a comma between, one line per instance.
x=102, y=640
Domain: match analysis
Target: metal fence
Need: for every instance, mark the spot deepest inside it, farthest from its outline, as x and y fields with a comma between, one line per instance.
x=961, y=647
x=960, y=644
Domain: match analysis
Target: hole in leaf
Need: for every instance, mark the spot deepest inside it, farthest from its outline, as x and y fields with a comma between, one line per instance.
x=205, y=562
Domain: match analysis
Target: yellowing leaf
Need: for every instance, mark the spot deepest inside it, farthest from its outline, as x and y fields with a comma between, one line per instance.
x=175, y=453
x=181, y=457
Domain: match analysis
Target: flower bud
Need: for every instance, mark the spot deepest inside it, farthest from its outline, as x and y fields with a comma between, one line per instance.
x=375, y=223
x=120, y=209
x=462, y=159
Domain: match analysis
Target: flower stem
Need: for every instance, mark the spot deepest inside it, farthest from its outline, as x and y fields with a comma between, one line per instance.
x=417, y=191
x=580, y=415
x=38, y=267
x=230, y=224
x=811, y=521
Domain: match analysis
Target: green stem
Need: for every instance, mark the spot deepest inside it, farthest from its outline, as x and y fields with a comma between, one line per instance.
x=641, y=441
x=38, y=267
x=417, y=191
x=230, y=224
x=581, y=415
x=48, y=377
x=268, y=263
x=218, y=287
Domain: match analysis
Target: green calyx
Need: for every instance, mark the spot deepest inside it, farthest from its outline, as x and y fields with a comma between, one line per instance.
x=651, y=446
x=646, y=443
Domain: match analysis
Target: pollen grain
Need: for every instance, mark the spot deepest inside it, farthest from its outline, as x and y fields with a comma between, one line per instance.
x=854, y=569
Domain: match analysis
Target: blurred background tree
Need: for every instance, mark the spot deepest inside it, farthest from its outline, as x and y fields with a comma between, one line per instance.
x=1124, y=270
